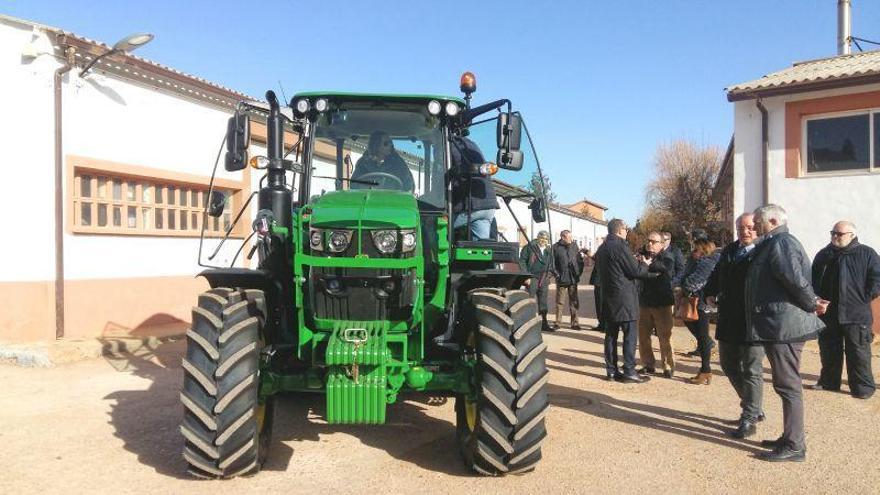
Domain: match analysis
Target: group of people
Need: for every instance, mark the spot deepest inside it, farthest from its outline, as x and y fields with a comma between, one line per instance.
x=563, y=262
x=770, y=299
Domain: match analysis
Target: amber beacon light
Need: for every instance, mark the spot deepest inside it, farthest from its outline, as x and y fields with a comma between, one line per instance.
x=468, y=83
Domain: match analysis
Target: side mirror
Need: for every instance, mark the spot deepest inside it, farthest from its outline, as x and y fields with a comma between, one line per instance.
x=509, y=160
x=539, y=210
x=509, y=131
x=238, y=136
x=216, y=204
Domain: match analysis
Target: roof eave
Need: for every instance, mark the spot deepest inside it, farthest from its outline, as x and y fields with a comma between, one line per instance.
x=751, y=94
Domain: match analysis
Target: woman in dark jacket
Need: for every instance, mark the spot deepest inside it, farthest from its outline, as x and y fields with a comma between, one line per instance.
x=691, y=282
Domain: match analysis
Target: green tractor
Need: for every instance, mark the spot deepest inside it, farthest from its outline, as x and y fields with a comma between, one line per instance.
x=363, y=289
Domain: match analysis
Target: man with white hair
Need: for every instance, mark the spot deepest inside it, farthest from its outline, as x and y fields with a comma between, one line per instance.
x=847, y=273
x=781, y=310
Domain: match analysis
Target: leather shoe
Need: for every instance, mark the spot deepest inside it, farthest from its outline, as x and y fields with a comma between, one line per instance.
x=746, y=429
x=646, y=370
x=575, y=327
x=771, y=443
x=549, y=328
x=819, y=386
x=784, y=454
x=668, y=373
x=633, y=378
x=866, y=395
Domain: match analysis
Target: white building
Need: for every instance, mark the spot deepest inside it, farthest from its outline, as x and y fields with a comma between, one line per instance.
x=103, y=234
x=808, y=138
x=137, y=144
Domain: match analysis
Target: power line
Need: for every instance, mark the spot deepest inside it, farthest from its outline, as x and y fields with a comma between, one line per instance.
x=856, y=40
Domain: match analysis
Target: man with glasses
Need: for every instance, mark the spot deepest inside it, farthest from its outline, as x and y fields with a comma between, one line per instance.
x=847, y=273
x=742, y=362
x=619, y=270
x=656, y=301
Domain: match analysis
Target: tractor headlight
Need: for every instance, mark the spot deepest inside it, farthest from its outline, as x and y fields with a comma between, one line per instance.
x=451, y=109
x=321, y=104
x=302, y=106
x=434, y=107
x=385, y=241
x=316, y=240
x=408, y=238
x=339, y=240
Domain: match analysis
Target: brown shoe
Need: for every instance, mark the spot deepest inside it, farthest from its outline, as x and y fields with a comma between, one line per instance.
x=701, y=379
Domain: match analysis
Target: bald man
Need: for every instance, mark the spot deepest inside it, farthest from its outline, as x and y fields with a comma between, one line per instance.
x=847, y=273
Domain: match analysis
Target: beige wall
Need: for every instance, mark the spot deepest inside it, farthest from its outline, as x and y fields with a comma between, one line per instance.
x=138, y=307
x=28, y=312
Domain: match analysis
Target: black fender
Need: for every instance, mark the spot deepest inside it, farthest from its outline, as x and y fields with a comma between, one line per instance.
x=471, y=279
x=279, y=319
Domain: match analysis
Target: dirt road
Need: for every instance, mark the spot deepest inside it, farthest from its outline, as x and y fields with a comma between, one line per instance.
x=111, y=426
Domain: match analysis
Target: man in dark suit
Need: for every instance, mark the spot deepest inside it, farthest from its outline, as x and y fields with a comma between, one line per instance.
x=619, y=270
x=743, y=363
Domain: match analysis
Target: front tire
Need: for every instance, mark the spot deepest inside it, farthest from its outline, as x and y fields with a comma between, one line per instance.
x=225, y=426
x=500, y=428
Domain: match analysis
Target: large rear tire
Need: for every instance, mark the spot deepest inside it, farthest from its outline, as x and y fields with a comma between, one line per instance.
x=225, y=426
x=500, y=429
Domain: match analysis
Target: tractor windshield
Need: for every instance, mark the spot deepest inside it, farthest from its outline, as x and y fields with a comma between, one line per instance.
x=380, y=145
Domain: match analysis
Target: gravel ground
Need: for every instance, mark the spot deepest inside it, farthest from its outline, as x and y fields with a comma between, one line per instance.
x=111, y=425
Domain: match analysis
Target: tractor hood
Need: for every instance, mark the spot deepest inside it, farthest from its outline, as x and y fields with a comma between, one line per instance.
x=365, y=208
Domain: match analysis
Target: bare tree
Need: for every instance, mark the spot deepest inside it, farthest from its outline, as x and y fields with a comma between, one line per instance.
x=680, y=192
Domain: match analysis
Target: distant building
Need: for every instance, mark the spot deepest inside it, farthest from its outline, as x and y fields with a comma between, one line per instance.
x=589, y=208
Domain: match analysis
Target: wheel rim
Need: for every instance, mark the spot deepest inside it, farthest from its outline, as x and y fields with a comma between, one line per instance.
x=470, y=406
x=470, y=410
x=260, y=414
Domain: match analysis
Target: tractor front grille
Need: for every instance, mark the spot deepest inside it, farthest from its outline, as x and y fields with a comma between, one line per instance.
x=361, y=294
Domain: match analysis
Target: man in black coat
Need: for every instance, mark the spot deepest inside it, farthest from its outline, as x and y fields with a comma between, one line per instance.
x=847, y=274
x=742, y=363
x=619, y=270
x=673, y=251
x=781, y=310
x=537, y=259
x=597, y=295
x=569, y=266
x=473, y=195
x=655, y=312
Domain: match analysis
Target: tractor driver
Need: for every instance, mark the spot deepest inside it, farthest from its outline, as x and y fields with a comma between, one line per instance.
x=382, y=165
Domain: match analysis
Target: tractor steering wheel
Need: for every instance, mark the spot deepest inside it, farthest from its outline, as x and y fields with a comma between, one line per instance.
x=384, y=175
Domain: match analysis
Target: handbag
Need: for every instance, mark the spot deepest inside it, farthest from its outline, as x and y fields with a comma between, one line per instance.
x=686, y=308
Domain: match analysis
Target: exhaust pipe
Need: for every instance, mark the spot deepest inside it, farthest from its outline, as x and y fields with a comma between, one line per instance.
x=844, y=27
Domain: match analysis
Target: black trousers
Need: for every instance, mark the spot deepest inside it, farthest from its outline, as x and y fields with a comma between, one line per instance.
x=541, y=294
x=854, y=342
x=700, y=330
x=597, y=297
x=630, y=336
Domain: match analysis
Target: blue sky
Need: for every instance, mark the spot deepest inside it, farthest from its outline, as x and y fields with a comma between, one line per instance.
x=599, y=83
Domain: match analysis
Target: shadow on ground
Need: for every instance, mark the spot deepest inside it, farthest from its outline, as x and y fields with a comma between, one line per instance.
x=148, y=420
x=691, y=425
